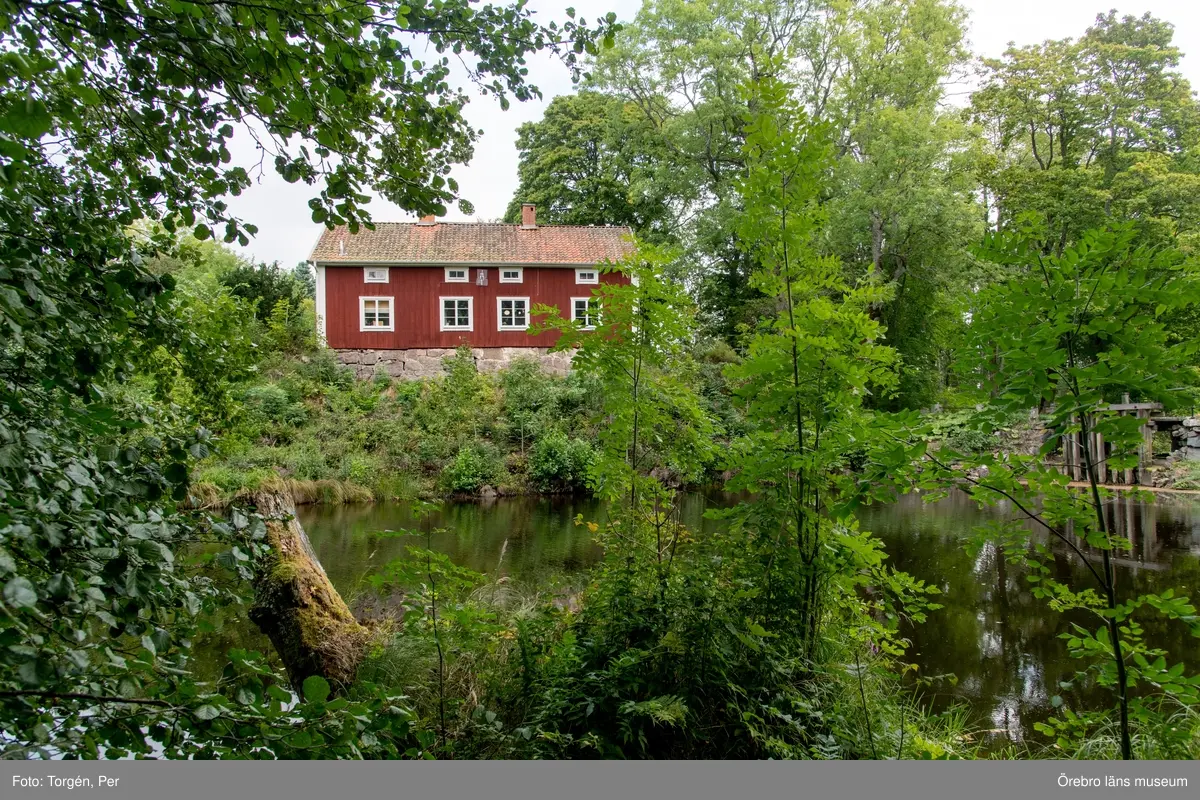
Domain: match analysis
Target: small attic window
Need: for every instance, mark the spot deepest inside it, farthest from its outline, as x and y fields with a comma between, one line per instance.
x=375, y=274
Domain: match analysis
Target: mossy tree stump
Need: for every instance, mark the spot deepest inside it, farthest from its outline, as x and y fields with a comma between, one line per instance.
x=297, y=607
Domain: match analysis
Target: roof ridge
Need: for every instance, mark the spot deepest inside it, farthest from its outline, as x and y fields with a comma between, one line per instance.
x=497, y=242
x=496, y=225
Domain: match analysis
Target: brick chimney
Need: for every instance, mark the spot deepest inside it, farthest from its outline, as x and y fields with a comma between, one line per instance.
x=528, y=215
x=428, y=219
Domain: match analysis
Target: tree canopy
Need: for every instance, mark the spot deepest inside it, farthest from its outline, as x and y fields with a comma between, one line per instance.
x=592, y=160
x=1059, y=137
x=1080, y=132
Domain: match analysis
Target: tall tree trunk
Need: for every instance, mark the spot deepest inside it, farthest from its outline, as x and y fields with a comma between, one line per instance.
x=298, y=608
x=876, y=240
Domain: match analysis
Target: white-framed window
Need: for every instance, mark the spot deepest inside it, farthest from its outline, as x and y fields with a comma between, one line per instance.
x=456, y=275
x=586, y=311
x=375, y=274
x=376, y=314
x=458, y=313
x=512, y=313
x=512, y=275
x=588, y=275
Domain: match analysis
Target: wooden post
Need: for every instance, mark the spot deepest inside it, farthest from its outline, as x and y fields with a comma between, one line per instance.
x=1128, y=471
x=1145, y=475
x=1077, y=455
x=1069, y=449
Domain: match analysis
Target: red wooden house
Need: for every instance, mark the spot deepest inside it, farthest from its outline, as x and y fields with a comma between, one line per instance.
x=403, y=296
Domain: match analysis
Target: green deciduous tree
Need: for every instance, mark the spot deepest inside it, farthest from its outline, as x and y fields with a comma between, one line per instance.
x=593, y=160
x=145, y=97
x=902, y=196
x=1085, y=131
x=1078, y=330
x=807, y=372
x=110, y=113
x=725, y=643
x=680, y=64
x=902, y=202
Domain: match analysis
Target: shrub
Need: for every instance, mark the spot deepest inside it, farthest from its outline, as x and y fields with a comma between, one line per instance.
x=558, y=463
x=408, y=393
x=324, y=368
x=361, y=469
x=230, y=480
x=471, y=468
x=306, y=462
x=271, y=404
x=956, y=432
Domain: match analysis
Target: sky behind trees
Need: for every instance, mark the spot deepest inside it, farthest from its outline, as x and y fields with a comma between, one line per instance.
x=280, y=210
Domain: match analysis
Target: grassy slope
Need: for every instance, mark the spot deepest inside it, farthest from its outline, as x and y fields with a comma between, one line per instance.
x=309, y=425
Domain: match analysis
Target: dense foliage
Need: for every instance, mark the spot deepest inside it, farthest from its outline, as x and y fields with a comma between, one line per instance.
x=110, y=114
x=1060, y=137
x=1098, y=333
x=308, y=426
x=824, y=209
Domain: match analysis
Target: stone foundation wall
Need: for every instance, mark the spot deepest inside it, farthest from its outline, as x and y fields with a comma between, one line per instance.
x=1187, y=446
x=427, y=363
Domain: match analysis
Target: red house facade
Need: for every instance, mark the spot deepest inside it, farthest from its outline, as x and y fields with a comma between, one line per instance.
x=402, y=297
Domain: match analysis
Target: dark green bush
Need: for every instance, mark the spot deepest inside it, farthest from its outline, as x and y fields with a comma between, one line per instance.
x=558, y=463
x=271, y=404
x=471, y=468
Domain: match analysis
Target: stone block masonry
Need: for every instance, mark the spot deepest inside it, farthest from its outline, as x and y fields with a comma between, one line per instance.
x=428, y=363
x=1187, y=434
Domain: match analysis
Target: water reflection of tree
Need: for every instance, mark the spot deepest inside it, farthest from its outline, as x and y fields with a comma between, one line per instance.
x=992, y=633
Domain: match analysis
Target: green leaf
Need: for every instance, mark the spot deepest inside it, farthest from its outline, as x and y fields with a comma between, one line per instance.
x=279, y=693
x=19, y=593
x=29, y=119
x=315, y=689
x=88, y=95
x=207, y=712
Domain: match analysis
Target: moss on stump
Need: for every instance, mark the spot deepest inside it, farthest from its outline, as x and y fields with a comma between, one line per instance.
x=297, y=607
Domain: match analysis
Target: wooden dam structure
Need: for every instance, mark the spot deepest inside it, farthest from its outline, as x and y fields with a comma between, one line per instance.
x=1185, y=443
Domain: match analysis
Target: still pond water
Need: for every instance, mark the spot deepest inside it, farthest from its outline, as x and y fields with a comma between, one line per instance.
x=998, y=640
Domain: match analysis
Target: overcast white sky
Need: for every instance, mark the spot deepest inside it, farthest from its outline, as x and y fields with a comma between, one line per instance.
x=287, y=233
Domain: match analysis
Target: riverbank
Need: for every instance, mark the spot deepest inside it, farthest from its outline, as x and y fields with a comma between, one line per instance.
x=988, y=620
x=333, y=492
x=311, y=428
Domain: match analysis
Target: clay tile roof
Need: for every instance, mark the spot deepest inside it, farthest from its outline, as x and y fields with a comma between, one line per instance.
x=472, y=243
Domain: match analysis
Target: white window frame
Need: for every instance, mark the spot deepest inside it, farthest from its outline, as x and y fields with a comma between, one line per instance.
x=470, y=314
x=362, y=315
x=466, y=275
x=500, y=326
x=378, y=278
x=520, y=278
x=593, y=303
x=595, y=273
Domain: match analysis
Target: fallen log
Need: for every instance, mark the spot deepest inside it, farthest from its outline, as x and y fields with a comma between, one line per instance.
x=298, y=608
